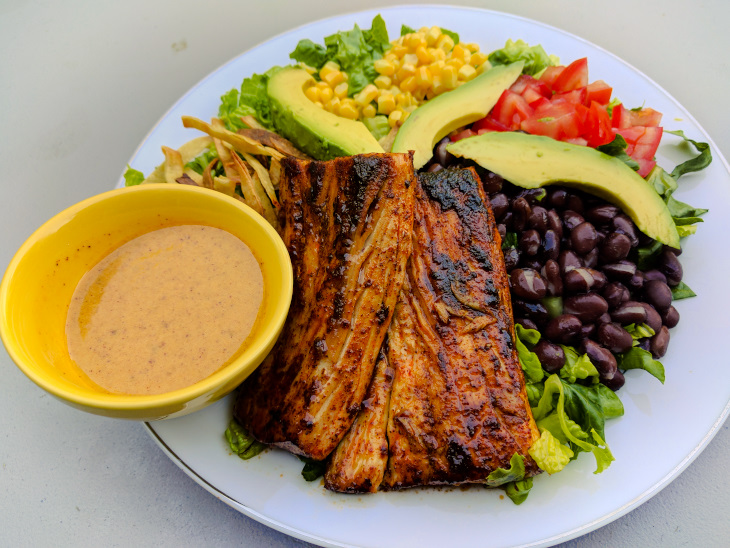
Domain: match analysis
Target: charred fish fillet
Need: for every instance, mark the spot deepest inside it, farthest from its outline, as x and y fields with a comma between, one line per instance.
x=458, y=407
x=347, y=225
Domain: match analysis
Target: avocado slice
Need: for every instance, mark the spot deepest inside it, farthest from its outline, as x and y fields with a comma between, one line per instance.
x=319, y=133
x=532, y=161
x=435, y=119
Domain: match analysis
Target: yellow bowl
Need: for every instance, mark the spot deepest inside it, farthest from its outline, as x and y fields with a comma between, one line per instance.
x=37, y=287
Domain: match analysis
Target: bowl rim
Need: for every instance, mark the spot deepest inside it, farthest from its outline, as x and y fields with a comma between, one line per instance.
x=280, y=302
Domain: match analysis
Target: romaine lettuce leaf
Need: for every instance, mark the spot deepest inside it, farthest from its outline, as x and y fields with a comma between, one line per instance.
x=697, y=163
x=535, y=58
x=251, y=100
x=528, y=360
x=638, y=358
x=549, y=453
x=132, y=177
x=241, y=442
x=577, y=366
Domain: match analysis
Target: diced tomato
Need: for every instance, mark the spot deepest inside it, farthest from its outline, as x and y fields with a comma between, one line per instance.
x=558, y=120
x=511, y=109
x=641, y=144
x=540, y=103
x=598, y=91
x=463, y=134
x=576, y=97
x=619, y=117
x=488, y=124
x=645, y=117
x=597, y=126
x=550, y=74
x=573, y=77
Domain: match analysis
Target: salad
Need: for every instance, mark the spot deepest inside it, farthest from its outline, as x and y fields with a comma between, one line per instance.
x=363, y=71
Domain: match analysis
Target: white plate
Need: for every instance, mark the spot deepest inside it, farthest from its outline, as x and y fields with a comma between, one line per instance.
x=663, y=430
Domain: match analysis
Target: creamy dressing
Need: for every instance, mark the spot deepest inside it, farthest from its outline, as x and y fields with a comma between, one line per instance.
x=165, y=310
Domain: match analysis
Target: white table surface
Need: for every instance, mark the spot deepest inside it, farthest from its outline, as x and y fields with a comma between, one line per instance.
x=81, y=83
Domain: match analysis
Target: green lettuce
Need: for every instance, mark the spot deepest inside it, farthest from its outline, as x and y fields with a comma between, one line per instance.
x=535, y=58
x=549, y=453
x=354, y=51
x=638, y=358
x=132, y=177
x=528, y=360
x=241, y=442
x=250, y=100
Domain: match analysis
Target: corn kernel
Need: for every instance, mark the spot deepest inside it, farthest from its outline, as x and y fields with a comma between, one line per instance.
x=367, y=95
x=411, y=59
x=384, y=66
x=448, y=77
x=405, y=71
x=333, y=78
x=403, y=100
x=455, y=62
x=341, y=90
x=390, y=56
x=424, y=56
x=333, y=105
x=368, y=111
x=437, y=87
x=399, y=50
x=413, y=40
x=423, y=77
x=310, y=70
x=409, y=84
x=328, y=67
x=477, y=59
x=458, y=51
x=472, y=47
x=433, y=35
x=386, y=103
x=348, y=109
x=312, y=93
x=383, y=82
x=445, y=42
x=466, y=73
x=394, y=117
x=405, y=116
x=438, y=53
x=484, y=67
x=326, y=94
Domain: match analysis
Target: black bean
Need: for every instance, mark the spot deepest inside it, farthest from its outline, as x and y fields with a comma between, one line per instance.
x=602, y=214
x=653, y=319
x=674, y=250
x=533, y=311
x=590, y=259
x=602, y=358
x=492, y=182
x=555, y=223
x=629, y=312
x=636, y=282
x=614, y=337
x=443, y=156
x=623, y=224
x=581, y=280
x=644, y=343
x=550, y=245
x=615, y=247
x=571, y=219
x=521, y=211
x=551, y=356
x=530, y=262
x=527, y=283
x=588, y=330
x=615, y=382
x=568, y=260
x=669, y=265
x=670, y=317
x=604, y=318
x=507, y=219
x=526, y=323
x=538, y=219
x=615, y=294
x=583, y=238
x=575, y=203
x=530, y=242
x=654, y=274
x=658, y=294
x=587, y=307
x=658, y=343
x=621, y=271
x=557, y=197
x=511, y=258
x=500, y=205
x=533, y=195
x=551, y=274
x=564, y=329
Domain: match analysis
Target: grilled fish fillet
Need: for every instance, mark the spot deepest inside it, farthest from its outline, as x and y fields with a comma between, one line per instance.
x=458, y=408
x=347, y=225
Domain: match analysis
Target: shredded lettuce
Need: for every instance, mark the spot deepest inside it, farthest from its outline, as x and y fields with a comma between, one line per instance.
x=528, y=359
x=549, y=453
x=201, y=161
x=535, y=58
x=132, y=177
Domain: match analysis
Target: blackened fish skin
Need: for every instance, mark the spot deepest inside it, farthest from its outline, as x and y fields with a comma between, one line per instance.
x=347, y=225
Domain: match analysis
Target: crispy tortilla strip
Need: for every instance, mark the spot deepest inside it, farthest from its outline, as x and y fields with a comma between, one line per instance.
x=240, y=143
x=251, y=122
x=174, y=167
x=273, y=140
x=188, y=151
x=254, y=194
x=264, y=178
